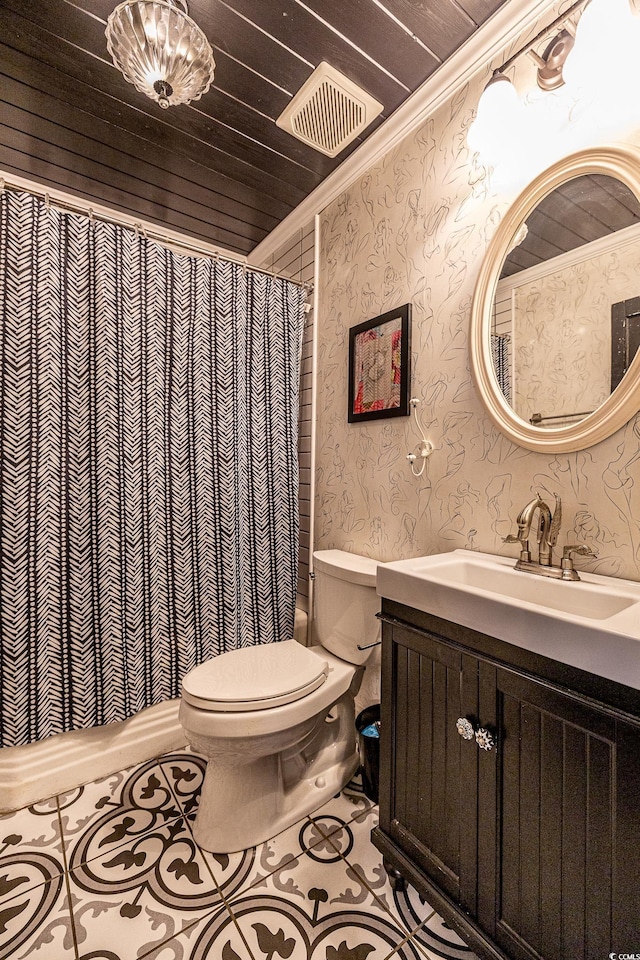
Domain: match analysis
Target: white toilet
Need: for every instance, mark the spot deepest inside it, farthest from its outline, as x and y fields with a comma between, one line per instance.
x=276, y=722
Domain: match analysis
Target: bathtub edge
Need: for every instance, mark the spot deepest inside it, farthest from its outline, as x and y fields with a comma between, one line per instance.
x=64, y=762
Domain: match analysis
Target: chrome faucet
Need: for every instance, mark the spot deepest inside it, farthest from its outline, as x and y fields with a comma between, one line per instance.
x=547, y=535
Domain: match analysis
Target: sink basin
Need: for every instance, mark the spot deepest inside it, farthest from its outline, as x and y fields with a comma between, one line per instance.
x=464, y=570
x=593, y=623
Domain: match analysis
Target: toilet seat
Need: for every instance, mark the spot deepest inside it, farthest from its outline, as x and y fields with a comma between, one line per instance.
x=255, y=678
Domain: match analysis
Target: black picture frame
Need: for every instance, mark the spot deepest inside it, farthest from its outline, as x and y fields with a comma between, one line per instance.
x=383, y=390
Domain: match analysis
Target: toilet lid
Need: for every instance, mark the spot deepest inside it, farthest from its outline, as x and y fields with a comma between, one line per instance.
x=255, y=678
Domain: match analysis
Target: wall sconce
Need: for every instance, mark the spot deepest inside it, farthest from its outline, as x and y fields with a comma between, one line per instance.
x=595, y=58
x=603, y=26
x=602, y=69
x=551, y=63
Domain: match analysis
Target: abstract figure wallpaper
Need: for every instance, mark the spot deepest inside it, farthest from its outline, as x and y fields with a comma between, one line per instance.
x=415, y=229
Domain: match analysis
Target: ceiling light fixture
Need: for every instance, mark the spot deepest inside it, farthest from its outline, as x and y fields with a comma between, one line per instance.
x=160, y=50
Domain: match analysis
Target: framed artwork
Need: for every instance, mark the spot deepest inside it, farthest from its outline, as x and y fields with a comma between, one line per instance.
x=379, y=358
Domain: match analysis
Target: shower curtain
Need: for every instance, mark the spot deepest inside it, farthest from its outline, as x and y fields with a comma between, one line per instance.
x=148, y=466
x=501, y=356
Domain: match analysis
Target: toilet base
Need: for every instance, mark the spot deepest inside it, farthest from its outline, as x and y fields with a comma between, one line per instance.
x=259, y=819
x=245, y=803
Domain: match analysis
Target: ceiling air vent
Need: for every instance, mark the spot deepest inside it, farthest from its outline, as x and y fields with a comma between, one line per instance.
x=328, y=111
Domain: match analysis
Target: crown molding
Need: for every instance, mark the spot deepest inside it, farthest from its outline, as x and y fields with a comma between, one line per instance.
x=504, y=27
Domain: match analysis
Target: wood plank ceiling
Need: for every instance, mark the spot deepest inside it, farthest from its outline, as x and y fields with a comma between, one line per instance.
x=218, y=169
x=577, y=212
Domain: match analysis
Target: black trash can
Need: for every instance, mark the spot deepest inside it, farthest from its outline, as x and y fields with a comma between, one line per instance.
x=368, y=727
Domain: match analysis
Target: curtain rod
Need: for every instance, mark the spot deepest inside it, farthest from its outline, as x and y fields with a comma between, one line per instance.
x=166, y=238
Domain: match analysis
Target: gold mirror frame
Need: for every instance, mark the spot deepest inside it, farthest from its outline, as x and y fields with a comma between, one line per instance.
x=620, y=162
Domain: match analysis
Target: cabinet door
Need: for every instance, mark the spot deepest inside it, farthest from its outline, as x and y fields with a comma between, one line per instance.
x=427, y=799
x=559, y=893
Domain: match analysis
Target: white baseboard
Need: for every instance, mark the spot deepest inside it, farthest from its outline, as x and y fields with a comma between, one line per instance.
x=40, y=770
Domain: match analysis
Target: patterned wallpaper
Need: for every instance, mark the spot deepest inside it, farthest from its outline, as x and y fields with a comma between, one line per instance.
x=562, y=331
x=415, y=228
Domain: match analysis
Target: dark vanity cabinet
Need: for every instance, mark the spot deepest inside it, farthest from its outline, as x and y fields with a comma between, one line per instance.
x=526, y=835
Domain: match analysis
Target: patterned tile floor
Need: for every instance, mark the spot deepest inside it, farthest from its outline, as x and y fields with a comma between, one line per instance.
x=110, y=871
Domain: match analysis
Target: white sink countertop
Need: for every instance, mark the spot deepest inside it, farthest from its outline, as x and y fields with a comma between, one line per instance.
x=593, y=623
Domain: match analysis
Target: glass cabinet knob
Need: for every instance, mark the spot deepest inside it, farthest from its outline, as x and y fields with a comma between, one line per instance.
x=464, y=728
x=484, y=739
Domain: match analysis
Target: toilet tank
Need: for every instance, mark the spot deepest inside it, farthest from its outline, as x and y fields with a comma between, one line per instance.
x=345, y=603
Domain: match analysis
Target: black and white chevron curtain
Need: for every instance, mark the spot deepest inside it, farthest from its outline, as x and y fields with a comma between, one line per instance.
x=148, y=466
x=501, y=356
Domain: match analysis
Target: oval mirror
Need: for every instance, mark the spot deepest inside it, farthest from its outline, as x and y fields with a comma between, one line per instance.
x=555, y=321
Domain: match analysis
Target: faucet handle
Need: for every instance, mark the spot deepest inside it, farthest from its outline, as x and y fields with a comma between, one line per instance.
x=512, y=538
x=582, y=550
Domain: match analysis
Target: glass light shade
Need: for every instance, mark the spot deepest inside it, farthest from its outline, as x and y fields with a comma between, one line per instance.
x=497, y=119
x=605, y=34
x=544, y=139
x=602, y=69
x=160, y=50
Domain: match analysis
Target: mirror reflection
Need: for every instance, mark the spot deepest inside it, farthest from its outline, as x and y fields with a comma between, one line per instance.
x=566, y=311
